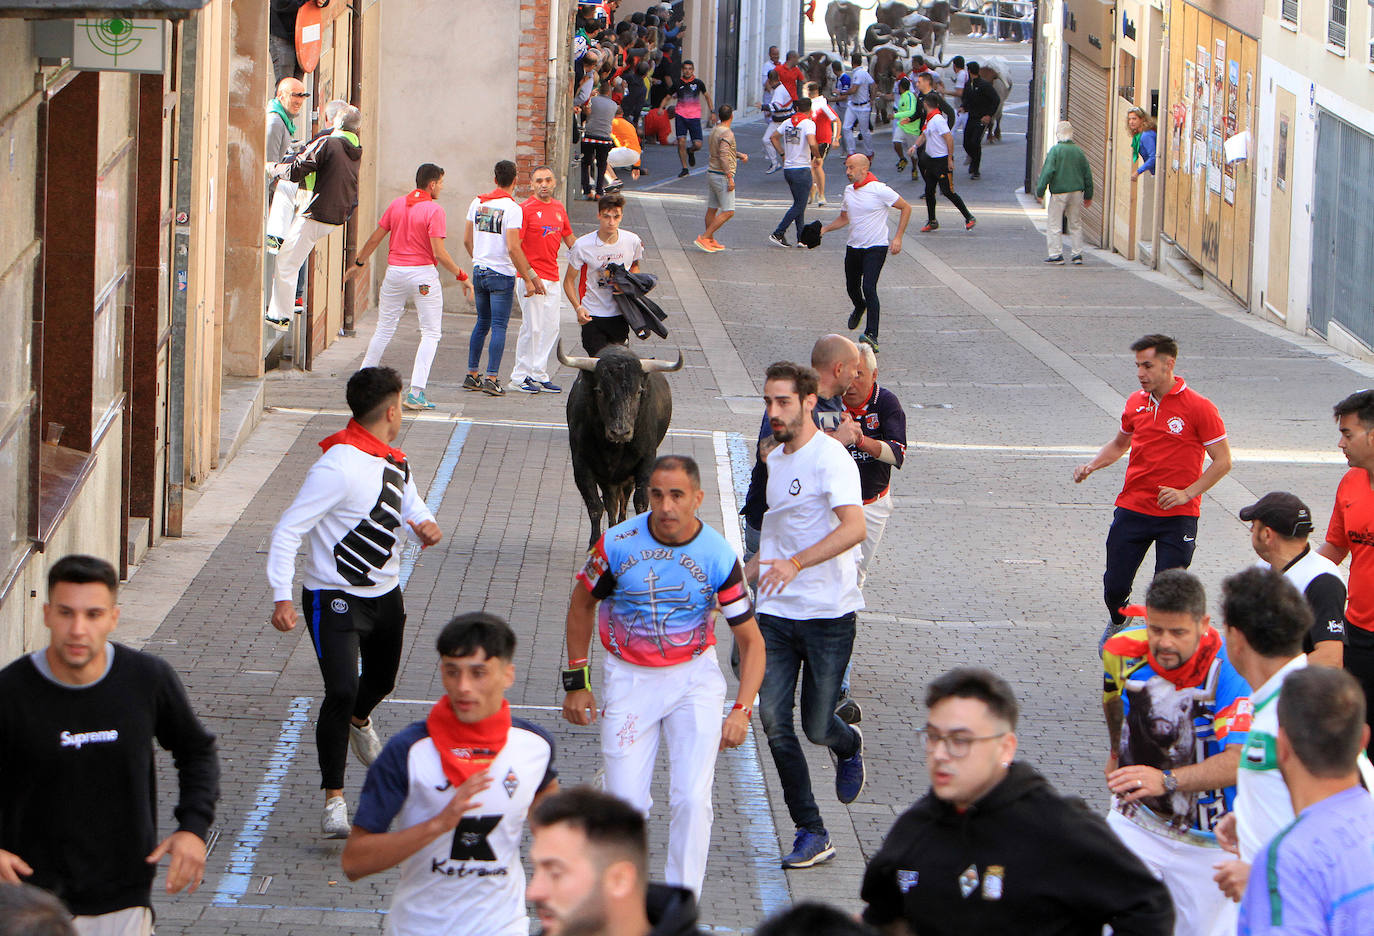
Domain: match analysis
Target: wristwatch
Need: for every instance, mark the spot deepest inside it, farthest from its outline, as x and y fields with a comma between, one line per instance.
x=360, y=262
x=1170, y=782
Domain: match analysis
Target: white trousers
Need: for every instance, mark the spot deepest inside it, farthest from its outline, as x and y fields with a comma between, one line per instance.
x=1186, y=870
x=857, y=120
x=875, y=518
x=133, y=921
x=418, y=285
x=622, y=157
x=1064, y=203
x=684, y=703
x=295, y=250
x=538, y=331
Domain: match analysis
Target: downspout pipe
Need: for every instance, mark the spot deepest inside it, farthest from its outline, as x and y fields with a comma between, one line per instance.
x=188, y=35
x=1162, y=144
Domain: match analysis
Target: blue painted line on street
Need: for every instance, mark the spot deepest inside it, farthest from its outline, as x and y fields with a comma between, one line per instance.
x=437, y=489
x=744, y=763
x=233, y=883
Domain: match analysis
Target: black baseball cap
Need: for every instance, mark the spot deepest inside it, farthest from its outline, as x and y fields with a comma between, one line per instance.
x=1282, y=512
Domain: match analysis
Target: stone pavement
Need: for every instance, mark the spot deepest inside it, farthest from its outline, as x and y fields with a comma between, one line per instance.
x=1011, y=373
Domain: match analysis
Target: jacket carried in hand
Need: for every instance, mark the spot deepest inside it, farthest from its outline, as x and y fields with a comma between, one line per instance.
x=1023, y=860
x=641, y=313
x=1066, y=170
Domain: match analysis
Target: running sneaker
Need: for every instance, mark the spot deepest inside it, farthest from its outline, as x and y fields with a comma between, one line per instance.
x=869, y=340
x=808, y=850
x=715, y=244
x=682, y=173
x=492, y=387
x=548, y=386
x=968, y=225
x=1057, y=258
x=364, y=742
x=525, y=386
x=416, y=401
x=901, y=165
x=848, y=710
x=1078, y=259
x=930, y=226
x=704, y=243
x=849, y=772
x=974, y=175
x=280, y=325
x=691, y=156
x=273, y=244
x=855, y=318
x=772, y=168
x=820, y=203
x=334, y=822
x=778, y=240
x=472, y=382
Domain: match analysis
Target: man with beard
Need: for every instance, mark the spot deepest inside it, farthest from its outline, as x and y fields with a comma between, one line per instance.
x=591, y=857
x=808, y=599
x=1177, y=716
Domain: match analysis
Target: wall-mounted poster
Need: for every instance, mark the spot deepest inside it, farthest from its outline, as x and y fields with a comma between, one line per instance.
x=1231, y=119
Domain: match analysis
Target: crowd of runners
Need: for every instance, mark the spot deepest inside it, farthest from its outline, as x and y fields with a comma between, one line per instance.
x=1234, y=753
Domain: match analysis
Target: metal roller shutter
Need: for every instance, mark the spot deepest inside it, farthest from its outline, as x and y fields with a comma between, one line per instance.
x=1087, y=108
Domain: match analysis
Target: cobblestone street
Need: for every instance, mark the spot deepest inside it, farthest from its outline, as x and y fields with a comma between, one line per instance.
x=1010, y=372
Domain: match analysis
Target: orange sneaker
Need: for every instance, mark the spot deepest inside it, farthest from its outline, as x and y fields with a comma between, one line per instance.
x=715, y=244
x=704, y=244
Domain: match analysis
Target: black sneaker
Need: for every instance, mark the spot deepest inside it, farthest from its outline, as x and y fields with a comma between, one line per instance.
x=901, y=165
x=1057, y=258
x=691, y=157
x=974, y=175
x=855, y=318
x=778, y=240
x=869, y=340
x=472, y=382
x=849, y=711
x=492, y=387
x=1077, y=259
x=682, y=173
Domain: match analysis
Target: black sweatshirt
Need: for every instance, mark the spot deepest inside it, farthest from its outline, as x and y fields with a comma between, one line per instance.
x=1023, y=860
x=78, y=797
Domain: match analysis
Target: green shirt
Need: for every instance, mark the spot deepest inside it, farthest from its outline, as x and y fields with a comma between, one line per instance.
x=1066, y=170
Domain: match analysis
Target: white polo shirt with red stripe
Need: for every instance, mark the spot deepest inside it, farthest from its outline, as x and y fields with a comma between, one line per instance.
x=1169, y=438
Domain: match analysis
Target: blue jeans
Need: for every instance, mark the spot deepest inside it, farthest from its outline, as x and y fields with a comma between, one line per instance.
x=823, y=645
x=799, y=181
x=494, y=293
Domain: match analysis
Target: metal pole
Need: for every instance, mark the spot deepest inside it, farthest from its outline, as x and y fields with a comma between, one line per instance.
x=188, y=31
x=1161, y=145
x=1035, y=81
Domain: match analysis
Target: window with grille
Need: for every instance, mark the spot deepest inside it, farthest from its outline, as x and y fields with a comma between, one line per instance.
x=1335, y=24
x=1288, y=9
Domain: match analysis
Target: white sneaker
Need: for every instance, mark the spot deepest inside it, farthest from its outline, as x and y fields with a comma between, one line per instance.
x=334, y=823
x=364, y=742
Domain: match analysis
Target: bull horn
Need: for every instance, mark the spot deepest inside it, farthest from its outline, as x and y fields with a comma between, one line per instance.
x=581, y=363
x=651, y=366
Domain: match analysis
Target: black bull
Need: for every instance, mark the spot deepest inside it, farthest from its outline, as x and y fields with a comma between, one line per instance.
x=618, y=413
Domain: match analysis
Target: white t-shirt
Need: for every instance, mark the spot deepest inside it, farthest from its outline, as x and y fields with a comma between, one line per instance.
x=590, y=256
x=796, y=149
x=861, y=83
x=867, y=209
x=820, y=108
x=804, y=488
x=490, y=221
x=960, y=79
x=935, y=129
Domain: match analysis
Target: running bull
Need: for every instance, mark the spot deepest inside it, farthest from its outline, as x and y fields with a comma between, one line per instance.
x=618, y=413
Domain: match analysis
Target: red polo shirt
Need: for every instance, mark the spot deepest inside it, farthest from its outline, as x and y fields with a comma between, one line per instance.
x=791, y=79
x=1352, y=528
x=1169, y=438
x=545, y=226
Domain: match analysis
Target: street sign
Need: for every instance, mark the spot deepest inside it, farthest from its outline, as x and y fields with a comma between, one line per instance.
x=309, y=35
x=119, y=44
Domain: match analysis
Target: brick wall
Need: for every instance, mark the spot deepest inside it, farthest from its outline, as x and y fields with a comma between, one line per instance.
x=531, y=134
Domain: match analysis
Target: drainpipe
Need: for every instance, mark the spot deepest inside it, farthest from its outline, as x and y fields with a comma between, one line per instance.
x=188, y=34
x=1165, y=120
x=1035, y=83
x=355, y=97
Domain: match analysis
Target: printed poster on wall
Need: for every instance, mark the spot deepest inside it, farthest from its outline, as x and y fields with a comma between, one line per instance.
x=1232, y=122
x=1202, y=94
x=1182, y=144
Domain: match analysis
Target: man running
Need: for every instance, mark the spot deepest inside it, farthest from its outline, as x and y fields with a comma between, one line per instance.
x=661, y=578
x=458, y=787
x=777, y=107
x=417, y=226
x=864, y=209
x=349, y=511
x=858, y=110
x=796, y=144
x=544, y=227
x=827, y=124
x=937, y=164
x=687, y=95
x=585, y=284
x=723, y=158
x=1166, y=427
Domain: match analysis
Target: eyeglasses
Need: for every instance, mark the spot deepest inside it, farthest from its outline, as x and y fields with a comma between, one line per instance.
x=956, y=744
x=300, y=94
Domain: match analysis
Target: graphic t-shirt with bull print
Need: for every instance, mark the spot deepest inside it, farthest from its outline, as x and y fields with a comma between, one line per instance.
x=659, y=602
x=1168, y=727
x=590, y=256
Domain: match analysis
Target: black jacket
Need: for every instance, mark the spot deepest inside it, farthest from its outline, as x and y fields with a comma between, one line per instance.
x=334, y=160
x=980, y=99
x=641, y=313
x=672, y=911
x=1022, y=860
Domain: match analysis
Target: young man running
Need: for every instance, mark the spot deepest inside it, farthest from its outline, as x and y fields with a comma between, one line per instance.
x=937, y=165
x=457, y=786
x=796, y=143
x=687, y=95
x=661, y=579
x=864, y=209
x=585, y=284
x=417, y=227
x=827, y=125
x=349, y=510
x=544, y=227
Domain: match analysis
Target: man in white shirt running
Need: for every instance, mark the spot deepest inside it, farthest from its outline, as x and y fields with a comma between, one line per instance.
x=796, y=144
x=937, y=162
x=864, y=209
x=586, y=283
x=417, y=226
x=350, y=511
x=858, y=111
x=808, y=599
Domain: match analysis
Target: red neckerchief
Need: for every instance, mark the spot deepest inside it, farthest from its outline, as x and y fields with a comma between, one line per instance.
x=1190, y=674
x=418, y=195
x=798, y=118
x=465, y=749
x=865, y=180
x=493, y=195
x=862, y=411
x=364, y=441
